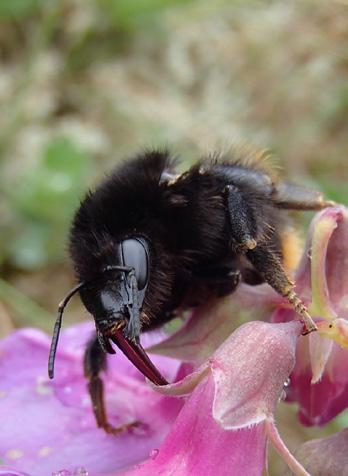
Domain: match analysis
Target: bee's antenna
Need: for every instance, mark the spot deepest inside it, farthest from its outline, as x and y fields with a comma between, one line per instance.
x=57, y=327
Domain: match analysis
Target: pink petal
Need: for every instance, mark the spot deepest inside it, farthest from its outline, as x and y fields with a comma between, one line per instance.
x=322, y=231
x=321, y=402
x=325, y=456
x=186, y=385
x=327, y=244
x=47, y=426
x=324, y=265
x=197, y=445
x=6, y=471
x=303, y=273
x=319, y=352
x=221, y=429
x=249, y=371
x=211, y=324
x=337, y=264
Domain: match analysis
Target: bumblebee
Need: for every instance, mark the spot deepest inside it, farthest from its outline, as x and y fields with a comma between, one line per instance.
x=149, y=242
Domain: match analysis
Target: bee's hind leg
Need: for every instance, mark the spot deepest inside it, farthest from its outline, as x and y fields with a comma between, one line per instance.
x=241, y=221
x=294, y=197
x=94, y=363
x=272, y=270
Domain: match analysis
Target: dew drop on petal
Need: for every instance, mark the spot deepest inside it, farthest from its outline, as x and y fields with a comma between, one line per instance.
x=45, y=451
x=67, y=389
x=14, y=454
x=287, y=383
x=154, y=453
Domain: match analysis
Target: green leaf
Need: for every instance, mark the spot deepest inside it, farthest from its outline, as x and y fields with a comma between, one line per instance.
x=129, y=14
x=16, y=9
x=44, y=203
x=334, y=189
x=28, y=311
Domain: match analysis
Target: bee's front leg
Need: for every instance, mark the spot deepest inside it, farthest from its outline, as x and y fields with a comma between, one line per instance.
x=94, y=363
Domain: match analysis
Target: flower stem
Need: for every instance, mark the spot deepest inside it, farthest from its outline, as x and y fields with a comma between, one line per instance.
x=282, y=450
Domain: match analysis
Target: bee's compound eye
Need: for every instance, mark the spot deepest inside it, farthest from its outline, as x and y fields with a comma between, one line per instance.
x=135, y=254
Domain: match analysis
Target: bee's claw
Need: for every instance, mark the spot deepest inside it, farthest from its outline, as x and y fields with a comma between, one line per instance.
x=300, y=308
x=113, y=430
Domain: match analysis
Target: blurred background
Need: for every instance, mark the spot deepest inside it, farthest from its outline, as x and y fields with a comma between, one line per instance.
x=84, y=83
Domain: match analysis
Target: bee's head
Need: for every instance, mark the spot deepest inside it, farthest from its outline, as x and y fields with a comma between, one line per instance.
x=118, y=294
x=115, y=298
x=108, y=300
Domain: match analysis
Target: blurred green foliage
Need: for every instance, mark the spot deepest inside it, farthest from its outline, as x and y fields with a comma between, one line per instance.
x=28, y=313
x=138, y=13
x=19, y=9
x=125, y=14
x=43, y=199
x=335, y=189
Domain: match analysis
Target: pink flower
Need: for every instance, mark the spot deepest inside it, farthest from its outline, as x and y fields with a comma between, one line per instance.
x=6, y=471
x=226, y=422
x=325, y=456
x=48, y=426
x=223, y=426
x=210, y=324
x=319, y=382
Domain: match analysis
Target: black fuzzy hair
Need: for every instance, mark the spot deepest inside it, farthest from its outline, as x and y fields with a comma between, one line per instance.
x=183, y=219
x=128, y=202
